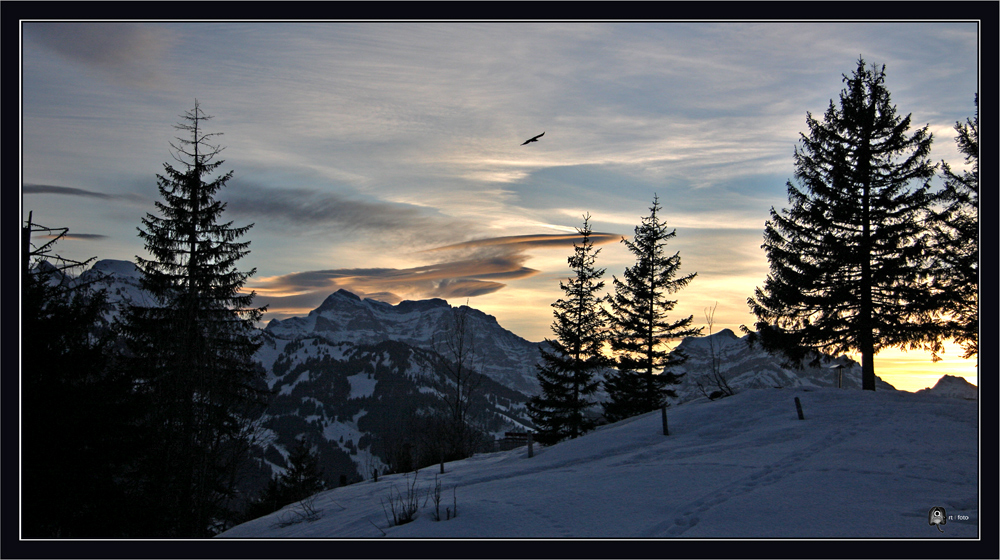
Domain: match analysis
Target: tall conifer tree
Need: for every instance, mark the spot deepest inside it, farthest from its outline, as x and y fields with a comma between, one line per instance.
x=640, y=329
x=78, y=436
x=848, y=260
x=195, y=345
x=566, y=374
x=957, y=242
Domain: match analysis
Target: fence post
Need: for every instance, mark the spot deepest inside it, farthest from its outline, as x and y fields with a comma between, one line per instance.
x=26, y=247
x=531, y=446
x=798, y=407
x=663, y=412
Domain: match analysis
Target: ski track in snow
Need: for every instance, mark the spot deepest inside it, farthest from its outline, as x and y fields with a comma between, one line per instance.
x=692, y=513
x=859, y=465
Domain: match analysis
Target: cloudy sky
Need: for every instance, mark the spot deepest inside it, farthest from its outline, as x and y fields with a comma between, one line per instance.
x=386, y=158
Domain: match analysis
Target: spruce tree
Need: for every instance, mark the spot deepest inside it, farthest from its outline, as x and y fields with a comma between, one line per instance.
x=304, y=477
x=640, y=329
x=956, y=236
x=78, y=440
x=847, y=261
x=566, y=374
x=194, y=346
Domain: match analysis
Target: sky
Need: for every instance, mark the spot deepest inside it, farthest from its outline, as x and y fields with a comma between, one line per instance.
x=385, y=158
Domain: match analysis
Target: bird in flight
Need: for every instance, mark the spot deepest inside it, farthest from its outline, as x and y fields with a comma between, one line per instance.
x=535, y=139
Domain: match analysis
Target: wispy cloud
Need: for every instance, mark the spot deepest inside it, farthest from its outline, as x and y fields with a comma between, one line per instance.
x=126, y=52
x=306, y=210
x=397, y=145
x=477, y=268
x=461, y=279
x=85, y=236
x=29, y=188
x=523, y=242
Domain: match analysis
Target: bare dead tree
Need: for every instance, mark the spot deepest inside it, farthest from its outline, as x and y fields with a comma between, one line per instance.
x=715, y=385
x=461, y=365
x=32, y=255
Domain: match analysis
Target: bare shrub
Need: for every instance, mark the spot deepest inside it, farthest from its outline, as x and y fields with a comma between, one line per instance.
x=434, y=493
x=402, y=508
x=715, y=379
x=304, y=510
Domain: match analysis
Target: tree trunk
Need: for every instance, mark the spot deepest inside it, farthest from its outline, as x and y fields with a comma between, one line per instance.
x=866, y=340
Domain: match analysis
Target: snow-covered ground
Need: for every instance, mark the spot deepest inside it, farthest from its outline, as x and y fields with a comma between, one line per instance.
x=861, y=465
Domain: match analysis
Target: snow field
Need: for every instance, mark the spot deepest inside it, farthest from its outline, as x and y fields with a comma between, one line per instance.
x=861, y=465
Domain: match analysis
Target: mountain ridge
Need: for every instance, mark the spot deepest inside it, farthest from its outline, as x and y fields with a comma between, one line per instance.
x=952, y=386
x=343, y=374
x=345, y=317
x=504, y=356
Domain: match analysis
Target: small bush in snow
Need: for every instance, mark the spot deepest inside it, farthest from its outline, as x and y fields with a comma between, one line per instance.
x=304, y=510
x=403, y=509
x=435, y=494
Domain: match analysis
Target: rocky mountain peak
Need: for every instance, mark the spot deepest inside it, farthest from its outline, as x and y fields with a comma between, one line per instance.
x=425, y=324
x=338, y=299
x=419, y=306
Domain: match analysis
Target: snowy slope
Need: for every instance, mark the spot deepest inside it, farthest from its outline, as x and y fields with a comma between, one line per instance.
x=954, y=387
x=745, y=367
x=346, y=399
x=861, y=464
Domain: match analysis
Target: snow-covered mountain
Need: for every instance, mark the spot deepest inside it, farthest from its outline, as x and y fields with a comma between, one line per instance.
x=344, y=317
x=861, y=465
x=745, y=367
x=359, y=403
x=345, y=320
x=121, y=281
x=351, y=374
x=953, y=386
x=119, y=278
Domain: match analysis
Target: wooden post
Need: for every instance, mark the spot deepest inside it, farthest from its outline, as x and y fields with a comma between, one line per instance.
x=663, y=412
x=531, y=446
x=26, y=248
x=798, y=407
x=442, y=460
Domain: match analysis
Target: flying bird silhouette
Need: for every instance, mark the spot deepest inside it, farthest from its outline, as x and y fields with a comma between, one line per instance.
x=535, y=139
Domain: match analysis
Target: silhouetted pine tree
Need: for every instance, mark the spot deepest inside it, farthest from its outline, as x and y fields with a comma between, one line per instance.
x=195, y=347
x=77, y=436
x=957, y=242
x=848, y=260
x=640, y=329
x=302, y=478
x=566, y=375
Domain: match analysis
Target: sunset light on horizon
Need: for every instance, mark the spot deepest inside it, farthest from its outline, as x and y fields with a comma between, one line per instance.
x=386, y=158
